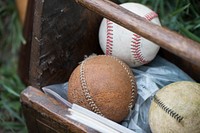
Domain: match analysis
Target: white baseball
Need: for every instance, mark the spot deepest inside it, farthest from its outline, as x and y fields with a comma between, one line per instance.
x=128, y=46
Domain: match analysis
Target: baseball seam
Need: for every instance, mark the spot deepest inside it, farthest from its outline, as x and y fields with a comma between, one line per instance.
x=169, y=111
x=151, y=15
x=86, y=92
x=136, y=48
x=109, y=37
x=132, y=80
x=136, y=41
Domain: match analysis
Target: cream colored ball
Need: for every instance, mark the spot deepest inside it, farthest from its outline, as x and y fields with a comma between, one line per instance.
x=176, y=108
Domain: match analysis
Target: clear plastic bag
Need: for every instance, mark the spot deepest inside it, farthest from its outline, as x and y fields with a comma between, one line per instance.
x=149, y=78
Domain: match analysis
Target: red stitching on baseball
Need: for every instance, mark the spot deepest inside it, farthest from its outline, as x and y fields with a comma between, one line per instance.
x=109, y=38
x=151, y=16
x=135, y=48
x=135, y=43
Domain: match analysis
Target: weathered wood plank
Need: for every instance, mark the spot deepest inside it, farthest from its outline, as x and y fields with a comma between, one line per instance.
x=62, y=33
x=45, y=115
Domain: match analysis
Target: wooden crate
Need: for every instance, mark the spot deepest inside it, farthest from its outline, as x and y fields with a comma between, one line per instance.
x=60, y=33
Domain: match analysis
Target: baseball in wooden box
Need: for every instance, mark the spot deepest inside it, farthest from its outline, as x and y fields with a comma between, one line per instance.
x=60, y=33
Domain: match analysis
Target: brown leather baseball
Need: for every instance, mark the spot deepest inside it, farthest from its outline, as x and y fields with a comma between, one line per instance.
x=105, y=85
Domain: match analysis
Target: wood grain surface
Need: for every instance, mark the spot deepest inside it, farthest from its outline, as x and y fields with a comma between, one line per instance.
x=169, y=40
x=44, y=114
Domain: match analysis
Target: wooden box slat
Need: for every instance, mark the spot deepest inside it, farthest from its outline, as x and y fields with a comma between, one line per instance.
x=45, y=115
x=59, y=34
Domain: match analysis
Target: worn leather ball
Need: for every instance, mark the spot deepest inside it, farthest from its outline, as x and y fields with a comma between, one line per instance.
x=104, y=85
x=176, y=108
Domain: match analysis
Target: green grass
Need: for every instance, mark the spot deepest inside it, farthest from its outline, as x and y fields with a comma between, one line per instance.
x=182, y=16
x=10, y=30
x=11, y=118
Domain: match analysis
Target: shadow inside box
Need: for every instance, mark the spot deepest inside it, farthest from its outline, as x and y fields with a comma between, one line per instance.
x=41, y=64
x=149, y=79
